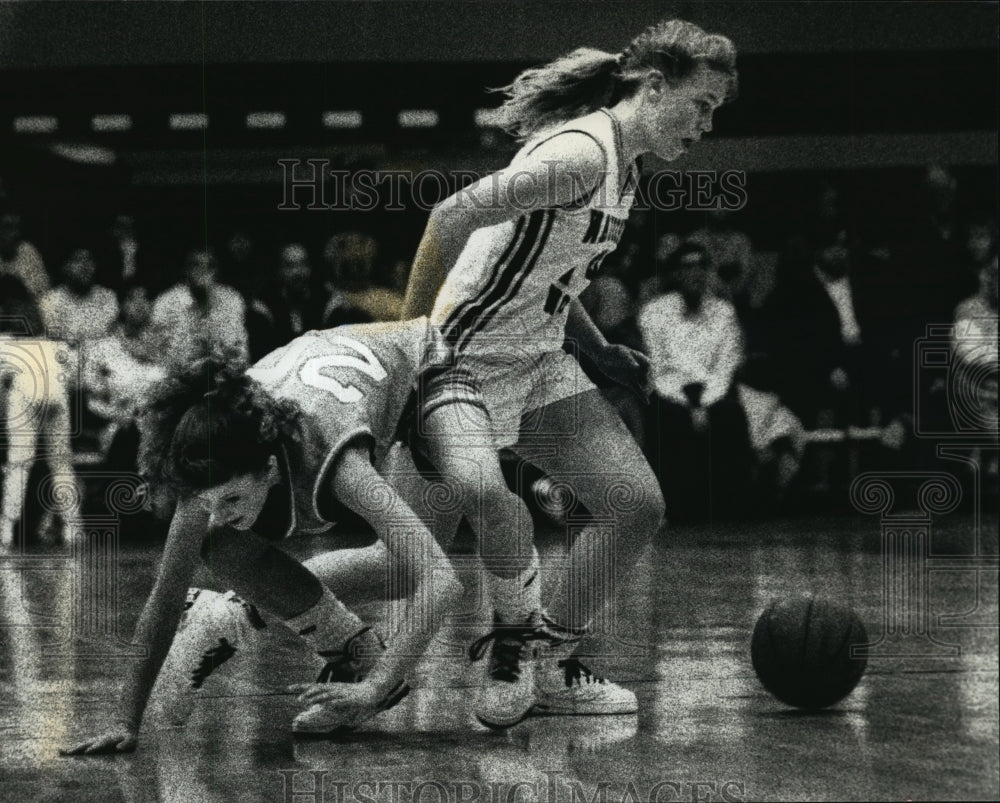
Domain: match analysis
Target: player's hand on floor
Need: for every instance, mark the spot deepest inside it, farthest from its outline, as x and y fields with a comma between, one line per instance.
x=119, y=739
x=346, y=695
x=627, y=367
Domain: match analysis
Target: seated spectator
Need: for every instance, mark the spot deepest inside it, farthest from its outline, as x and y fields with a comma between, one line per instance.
x=18, y=257
x=239, y=266
x=289, y=308
x=819, y=344
x=834, y=369
x=353, y=295
x=697, y=434
x=930, y=257
x=119, y=371
x=200, y=315
x=730, y=252
x=975, y=348
x=980, y=248
x=77, y=310
x=652, y=286
x=120, y=263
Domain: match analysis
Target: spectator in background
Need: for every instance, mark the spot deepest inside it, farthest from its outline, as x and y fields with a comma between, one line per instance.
x=289, y=308
x=119, y=264
x=980, y=246
x=18, y=257
x=239, y=266
x=200, y=315
x=35, y=402
x=353, y=295
x=820, y=345
x=77, y=310
x=697, y=433
x=975, y=347
x=824, y=218
x=929, y=259
x=730, y=252
x=119, y=371
x=653, y=286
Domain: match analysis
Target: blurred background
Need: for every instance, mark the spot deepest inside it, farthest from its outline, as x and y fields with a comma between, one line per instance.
x=141, y=167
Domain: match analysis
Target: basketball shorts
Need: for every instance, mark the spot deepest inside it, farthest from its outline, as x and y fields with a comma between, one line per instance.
x=511, y=389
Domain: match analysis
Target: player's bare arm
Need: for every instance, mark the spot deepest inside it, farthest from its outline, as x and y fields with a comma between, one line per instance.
x=155, y=629
x=556, y=173
x=361, y=488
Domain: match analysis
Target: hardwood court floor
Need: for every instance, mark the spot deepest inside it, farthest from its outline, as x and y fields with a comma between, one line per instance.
x=920, y=728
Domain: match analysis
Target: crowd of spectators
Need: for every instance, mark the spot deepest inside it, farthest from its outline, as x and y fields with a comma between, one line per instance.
x=795, y=368
x=763, y=362
x=121, y=325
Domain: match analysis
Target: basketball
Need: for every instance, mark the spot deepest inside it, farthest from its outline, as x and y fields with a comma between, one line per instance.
x=801, y=651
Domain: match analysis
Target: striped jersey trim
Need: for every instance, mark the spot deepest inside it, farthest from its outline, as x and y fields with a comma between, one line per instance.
x=505, y=280
x=466, y=311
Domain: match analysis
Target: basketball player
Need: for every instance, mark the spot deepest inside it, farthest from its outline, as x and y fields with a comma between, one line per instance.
x=499, y=269
x=257, y=456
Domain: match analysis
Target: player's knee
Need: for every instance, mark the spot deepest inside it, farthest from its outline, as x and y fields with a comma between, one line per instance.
x=641, y=506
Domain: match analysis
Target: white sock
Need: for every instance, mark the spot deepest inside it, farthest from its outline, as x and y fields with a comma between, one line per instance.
x=516, y=598
x=327, y=625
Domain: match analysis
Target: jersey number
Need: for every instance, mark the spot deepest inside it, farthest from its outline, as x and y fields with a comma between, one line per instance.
x=311, y=372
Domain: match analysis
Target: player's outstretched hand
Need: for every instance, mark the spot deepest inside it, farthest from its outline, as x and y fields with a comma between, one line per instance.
x=627, y=367
x=119, y=739
x=347, y=695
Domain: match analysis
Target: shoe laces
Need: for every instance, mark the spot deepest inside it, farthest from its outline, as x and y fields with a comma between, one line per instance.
x=342, y=666
x=509, y=648
x=575, y=672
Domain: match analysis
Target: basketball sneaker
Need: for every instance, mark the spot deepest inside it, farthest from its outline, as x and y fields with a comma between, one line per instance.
x=508, y=694
x=351, y=664
x=213, y=628
x=565, y=685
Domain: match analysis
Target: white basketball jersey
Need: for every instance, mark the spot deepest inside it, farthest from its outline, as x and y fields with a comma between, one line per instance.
x=515, y=280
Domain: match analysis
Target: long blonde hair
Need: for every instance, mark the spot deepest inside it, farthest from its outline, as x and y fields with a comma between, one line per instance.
x=586, y=79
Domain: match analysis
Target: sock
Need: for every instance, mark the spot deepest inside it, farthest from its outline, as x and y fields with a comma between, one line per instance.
x=327, y=625
x=516, y=598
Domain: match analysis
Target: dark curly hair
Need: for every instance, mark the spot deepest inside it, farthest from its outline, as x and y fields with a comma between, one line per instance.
x=209, y=423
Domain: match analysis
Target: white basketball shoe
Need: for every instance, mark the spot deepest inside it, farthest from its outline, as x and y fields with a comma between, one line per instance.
x=508, y=693
x=565, y=685
x=213, y=628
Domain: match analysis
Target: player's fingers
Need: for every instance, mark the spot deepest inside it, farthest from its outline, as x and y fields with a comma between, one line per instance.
x=318, y=696
x=75, y=750
x=324, y=694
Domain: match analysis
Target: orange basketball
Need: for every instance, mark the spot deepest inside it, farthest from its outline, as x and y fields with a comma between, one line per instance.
x=801, y=651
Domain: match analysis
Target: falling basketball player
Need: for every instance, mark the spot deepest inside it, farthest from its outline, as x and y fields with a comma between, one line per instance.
x=256, y=456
